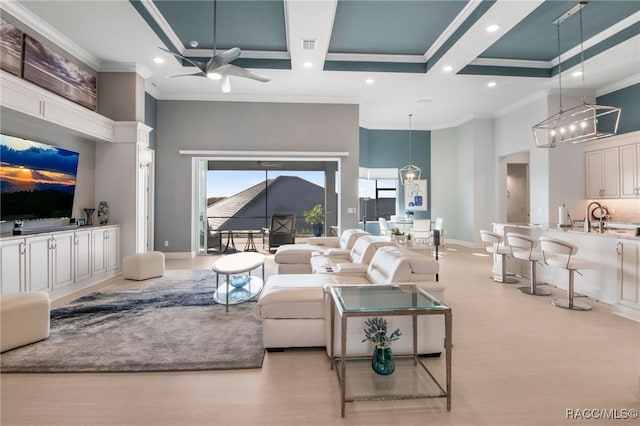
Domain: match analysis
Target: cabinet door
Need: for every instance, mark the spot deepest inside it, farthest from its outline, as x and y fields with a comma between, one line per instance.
x=629, y=274
x=99, y=264
x=82, y=255
x=62, y=248
x=603, y=173
x=12, y=271
x=610, y=173
x=38, y=264
x=113, y=248
x=629, y=171
x=594, y=174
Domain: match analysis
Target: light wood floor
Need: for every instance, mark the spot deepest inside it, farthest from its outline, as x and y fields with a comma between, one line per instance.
x=517, y=360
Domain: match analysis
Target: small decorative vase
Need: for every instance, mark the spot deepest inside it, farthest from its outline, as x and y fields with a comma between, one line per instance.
x=382, y=361
x=103, y=213
x=89, y=214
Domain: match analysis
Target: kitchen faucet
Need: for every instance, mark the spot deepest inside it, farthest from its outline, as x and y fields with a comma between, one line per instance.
x=587, y=214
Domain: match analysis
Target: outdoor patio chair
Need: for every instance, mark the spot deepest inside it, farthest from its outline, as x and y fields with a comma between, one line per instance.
x=282, y=231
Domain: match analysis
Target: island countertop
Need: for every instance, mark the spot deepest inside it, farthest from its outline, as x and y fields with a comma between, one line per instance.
x=627, y=233
x=604, y=249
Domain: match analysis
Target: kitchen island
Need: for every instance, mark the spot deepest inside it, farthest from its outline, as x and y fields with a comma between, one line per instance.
x=617, y=251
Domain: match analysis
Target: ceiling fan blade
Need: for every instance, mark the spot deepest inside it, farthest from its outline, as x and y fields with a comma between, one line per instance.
x=225, y=85
x=195, y=74
x=200, y=65
x=242, y=72
x=222, y=59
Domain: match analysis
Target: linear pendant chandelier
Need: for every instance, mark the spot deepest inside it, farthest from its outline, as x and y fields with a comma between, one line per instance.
x=410, y=172
x=581, y=123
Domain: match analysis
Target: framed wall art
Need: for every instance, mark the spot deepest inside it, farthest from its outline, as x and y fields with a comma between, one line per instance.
x=415, y=195
x=10, y=48
x=52, y=71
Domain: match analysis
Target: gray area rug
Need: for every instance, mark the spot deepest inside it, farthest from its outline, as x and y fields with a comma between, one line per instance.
x=163, y=324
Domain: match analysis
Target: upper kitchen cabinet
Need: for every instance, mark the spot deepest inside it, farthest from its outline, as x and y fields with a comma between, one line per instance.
x=603, y=173
x=630, y=171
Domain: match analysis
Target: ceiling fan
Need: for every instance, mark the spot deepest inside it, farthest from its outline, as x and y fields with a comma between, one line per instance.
x=219, y=67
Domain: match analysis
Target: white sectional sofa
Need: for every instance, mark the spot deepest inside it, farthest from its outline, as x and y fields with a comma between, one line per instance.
x=355, y=262
x=295, y=258
x=294, y=308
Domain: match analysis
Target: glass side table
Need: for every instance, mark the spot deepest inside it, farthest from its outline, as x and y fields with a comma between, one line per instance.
x=412, y=379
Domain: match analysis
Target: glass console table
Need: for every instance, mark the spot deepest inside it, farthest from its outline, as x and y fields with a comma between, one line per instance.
x=411, y=379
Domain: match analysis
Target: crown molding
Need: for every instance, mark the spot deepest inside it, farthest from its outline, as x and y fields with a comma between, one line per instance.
x=634, y=79
x=52, y=35
x=364, y=57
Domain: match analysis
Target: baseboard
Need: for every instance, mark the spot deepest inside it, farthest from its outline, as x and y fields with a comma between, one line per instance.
x=179, y=255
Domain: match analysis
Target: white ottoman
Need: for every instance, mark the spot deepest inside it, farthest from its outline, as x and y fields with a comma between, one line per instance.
x=142, y=266
x=24, y=319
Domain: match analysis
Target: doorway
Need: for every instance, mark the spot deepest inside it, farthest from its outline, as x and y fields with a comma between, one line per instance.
x=517, y=193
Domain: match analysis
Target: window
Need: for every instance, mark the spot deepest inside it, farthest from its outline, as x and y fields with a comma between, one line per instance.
x=377, y=198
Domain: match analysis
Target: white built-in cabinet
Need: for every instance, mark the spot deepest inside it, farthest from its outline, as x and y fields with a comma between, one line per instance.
x=603, y=173
x=628, y=303
x=106, y=250
x=82, y=255
x=22, y=96
x=59, y=262
x=630, y=171
x=13, y=272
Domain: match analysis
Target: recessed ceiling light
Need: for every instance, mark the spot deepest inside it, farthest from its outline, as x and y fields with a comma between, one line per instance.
x=193, y=44
x=158, y=59
x=577, y=74
x=493, y=28
x=424, y=101
x=491, y=84
x=447, y=68
x=307, y=64
x=369, y=81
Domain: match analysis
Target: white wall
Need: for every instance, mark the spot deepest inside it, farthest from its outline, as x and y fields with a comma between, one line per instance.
x=444, y=179
x=242, y=126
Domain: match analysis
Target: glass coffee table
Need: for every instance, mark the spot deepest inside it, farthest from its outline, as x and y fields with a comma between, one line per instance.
x=411, y=379
x=239, y=286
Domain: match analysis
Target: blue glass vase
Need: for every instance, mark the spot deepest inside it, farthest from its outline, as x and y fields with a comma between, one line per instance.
x=382, y=361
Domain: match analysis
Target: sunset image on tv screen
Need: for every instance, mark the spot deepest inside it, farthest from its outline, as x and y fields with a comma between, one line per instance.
x=36, y=180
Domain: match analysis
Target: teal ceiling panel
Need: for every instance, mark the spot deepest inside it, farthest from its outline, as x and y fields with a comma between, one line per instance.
x=535, y=37
x=249, y=25
x=390, y=27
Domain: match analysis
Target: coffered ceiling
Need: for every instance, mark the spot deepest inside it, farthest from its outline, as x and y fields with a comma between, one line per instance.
x=400, y=47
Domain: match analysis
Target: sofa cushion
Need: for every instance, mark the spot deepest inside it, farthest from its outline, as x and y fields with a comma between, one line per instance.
x=298, y=295
x=295, y=253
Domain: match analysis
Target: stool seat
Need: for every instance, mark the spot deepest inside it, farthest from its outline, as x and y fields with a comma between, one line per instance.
x=523, y=247
x=142, y=266
x=24, y=319
x=494, y=244
x=562, y=254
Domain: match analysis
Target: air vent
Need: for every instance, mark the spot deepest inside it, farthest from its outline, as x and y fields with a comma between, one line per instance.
x=308, y=45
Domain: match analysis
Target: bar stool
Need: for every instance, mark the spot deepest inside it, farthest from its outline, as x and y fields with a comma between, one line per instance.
x=522, y=247
x=494, y=244
x=561, y=254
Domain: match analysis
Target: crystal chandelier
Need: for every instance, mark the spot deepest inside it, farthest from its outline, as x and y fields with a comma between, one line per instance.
x=581, y=123
x=410, y=172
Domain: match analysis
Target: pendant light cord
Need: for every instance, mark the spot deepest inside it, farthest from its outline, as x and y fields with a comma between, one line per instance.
x=584, y=98
x=214, y=28
x=410, y=115
x=559, y=67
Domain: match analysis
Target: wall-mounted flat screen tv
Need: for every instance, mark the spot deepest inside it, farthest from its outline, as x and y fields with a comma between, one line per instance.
x=37, y=180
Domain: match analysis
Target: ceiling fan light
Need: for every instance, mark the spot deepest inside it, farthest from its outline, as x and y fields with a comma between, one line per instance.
x=225, y=86
x=214, y=76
